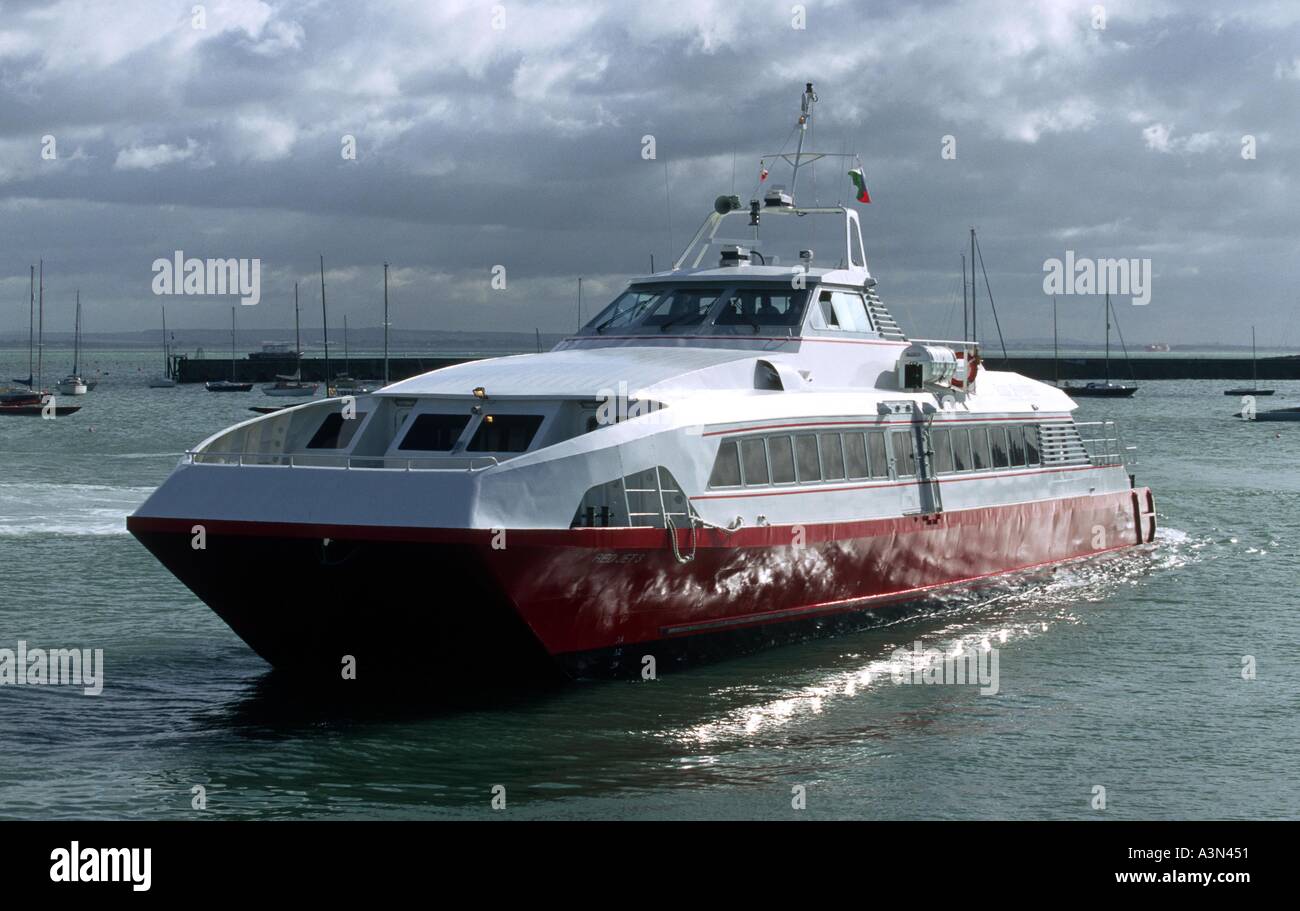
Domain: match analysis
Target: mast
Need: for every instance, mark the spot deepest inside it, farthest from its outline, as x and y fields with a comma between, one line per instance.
x=1254, y=367
x=385, y=324
x=965, y=308
x=76, y=338
x=232, y=344
x=1056, y=354
x=167, y=364
x=579, y=301
x=974, y=330
x=347, y=358
x=324, y=322
x=31, y=325
x=40, y=331
x=805, y=116
x=297, y=333
x=1108, y=338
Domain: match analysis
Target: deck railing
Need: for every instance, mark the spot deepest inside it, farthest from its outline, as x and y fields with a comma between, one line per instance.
x=326, y=460
x=1102, y=443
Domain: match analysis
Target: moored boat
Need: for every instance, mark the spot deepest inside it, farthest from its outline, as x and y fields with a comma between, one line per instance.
x=735, y=451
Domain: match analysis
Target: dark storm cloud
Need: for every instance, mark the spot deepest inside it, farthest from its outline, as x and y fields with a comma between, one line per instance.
x=521, y=146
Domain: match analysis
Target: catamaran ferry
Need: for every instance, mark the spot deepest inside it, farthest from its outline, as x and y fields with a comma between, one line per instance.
x=732, y=452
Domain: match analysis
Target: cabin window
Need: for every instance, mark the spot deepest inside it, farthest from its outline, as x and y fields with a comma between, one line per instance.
x=754, y=457
x=726, y=467
x=805, y=456
x=1016, y=438
x=624, y=311
x=876, y=449
x=763, y=307
x=434, y=432
x=942, y=447
x=505, y=433
x=855, y=245
x=781, y=454
x=850, y=311
x=832, y=457
x=681, y=307
x=855, y=455
x=336, y=432
x=998, y=440
x=904, y=454
x=1032, y=455
x=960, y=437
x=979, y=447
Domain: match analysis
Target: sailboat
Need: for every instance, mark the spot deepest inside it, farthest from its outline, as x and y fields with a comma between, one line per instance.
x=73, y=384
x=292, y=385
x=162, y=380
x=36, y=402
x=229, y=385
x=14, y=395
x=1107, y=389
x=345, y=383
x=1254, y=374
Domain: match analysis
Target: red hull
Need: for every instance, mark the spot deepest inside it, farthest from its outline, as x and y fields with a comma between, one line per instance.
x=587, y=591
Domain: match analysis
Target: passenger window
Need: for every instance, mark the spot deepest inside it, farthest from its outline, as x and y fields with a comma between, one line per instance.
x=998, y=438
x=1032, y=456
x=336, y=432
x=904, y=455
x=960, y=448
x=1016, y=438
x=782, y=458
x=805, y=450
x=979, y=446
x=942, y=447
x=726, y=467
x=855, y=455
x=755, y=460
x=832, y=457
x=829, y=319
x=434, y=432
x=505, y=433
x=876, y=449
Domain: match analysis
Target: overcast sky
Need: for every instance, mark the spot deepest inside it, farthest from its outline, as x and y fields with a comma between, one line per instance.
x=511, y=133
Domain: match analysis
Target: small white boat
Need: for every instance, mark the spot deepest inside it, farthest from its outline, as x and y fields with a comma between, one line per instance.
x=73, y=384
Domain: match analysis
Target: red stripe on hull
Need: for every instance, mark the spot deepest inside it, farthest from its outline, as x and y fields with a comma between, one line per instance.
x=585, y=590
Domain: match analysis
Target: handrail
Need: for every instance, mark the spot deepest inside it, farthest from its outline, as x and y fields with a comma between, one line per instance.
x=345, y=462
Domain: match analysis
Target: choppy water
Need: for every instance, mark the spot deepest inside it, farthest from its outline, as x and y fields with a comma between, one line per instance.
x=1123, y=672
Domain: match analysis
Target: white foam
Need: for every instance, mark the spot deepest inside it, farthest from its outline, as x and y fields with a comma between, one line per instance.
x=66, y=509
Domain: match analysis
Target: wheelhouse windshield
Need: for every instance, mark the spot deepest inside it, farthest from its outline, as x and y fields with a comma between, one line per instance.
x=679, y=307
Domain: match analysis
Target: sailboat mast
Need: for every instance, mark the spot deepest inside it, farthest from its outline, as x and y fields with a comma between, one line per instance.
x=167, y=364
x=324, y=322
x=40, y=331
x=232, y=344
x=1254, y=366
x=297, y=333
x=385, y=324
x=1108, y=338
x=1056, y=350
x=76, y=339
x=31, y=326
x=974, y=330
x=965, y=315
x=347, y=358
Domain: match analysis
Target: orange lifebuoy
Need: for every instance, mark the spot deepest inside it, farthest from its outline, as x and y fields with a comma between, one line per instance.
x=971, y=369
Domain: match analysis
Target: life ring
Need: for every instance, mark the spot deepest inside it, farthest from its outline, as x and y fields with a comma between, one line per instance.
x=972, y=368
